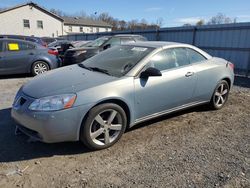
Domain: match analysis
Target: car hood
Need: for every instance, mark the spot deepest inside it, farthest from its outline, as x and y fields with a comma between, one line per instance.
x=70, y=79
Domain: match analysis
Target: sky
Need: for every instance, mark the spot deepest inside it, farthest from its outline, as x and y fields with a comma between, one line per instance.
x=174, y=13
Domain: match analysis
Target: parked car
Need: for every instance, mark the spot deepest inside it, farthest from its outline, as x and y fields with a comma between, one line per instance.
x=49, y=40
x=28, y=38
x=80, y=44
x=19, y=56
x=118, y=88
x=61, y=47
x=77, y=55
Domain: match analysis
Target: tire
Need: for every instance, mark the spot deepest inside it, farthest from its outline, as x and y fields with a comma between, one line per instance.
x=220, y=95
x=103, y=126
x=39, y=67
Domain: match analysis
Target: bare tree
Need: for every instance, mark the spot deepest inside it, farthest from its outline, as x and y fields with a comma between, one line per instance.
x=122, y=25
x=159, y=22
x=221, y=19
x=57, y=12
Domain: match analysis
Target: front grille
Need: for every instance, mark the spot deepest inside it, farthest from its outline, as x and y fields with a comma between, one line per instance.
x=22, y=101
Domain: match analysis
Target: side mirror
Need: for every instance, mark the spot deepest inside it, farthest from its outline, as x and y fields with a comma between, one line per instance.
x=106, y=46
x=150, y=72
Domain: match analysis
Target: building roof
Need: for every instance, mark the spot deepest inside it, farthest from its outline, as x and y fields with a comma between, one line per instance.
x=84, y=22
x=33, y=5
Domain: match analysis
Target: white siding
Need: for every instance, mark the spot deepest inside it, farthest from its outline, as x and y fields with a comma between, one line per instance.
x=12, y=22
x=86, y=29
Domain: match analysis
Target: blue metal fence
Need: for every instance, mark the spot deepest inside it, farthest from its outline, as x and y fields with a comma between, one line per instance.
x=229, y=41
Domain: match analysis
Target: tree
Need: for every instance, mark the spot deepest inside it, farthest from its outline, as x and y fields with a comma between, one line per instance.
x=200, y=22
x=122, y=25
x=59, y=12
x=221, y=19
x=159, y=22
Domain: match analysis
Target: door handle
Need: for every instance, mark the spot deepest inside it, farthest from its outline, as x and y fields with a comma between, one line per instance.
x=31, y=53
x=188, y=74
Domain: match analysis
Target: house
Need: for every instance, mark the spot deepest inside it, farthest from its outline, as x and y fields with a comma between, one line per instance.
x=84, y=25
x=33, y=20
x=30, y=19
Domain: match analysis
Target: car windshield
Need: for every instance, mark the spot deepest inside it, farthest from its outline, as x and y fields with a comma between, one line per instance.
x=98, y=42
x=117, y=61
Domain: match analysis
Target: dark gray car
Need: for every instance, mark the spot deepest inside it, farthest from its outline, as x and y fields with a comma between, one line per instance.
x=78, y=55
x=19, y=56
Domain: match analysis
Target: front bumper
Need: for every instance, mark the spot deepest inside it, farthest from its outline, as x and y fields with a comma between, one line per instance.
x=49, y=127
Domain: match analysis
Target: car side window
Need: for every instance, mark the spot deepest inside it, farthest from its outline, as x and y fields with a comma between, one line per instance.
x=194, y=56
x=181, y=56
x=164, y=60
x=19, y=46
x=127, y=40
x=114, y=41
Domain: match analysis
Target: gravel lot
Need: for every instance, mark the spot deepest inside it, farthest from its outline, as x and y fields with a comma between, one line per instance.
x=193, y=148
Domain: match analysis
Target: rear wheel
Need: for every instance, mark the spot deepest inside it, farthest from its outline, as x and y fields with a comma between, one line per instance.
x=220, y=95
x=39, y=67
x=104, y=126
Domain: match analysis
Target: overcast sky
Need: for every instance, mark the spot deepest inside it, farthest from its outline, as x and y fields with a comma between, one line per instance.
x=174, y=13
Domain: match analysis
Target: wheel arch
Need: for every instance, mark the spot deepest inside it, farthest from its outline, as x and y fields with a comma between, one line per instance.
x=116, y=101
x=37, y=60
x=228, y=80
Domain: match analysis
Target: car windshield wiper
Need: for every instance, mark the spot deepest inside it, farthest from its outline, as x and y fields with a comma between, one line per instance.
x=83, y=66
x=99, y=70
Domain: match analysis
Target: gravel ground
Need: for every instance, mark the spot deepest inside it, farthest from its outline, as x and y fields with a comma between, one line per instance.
x=193, y=148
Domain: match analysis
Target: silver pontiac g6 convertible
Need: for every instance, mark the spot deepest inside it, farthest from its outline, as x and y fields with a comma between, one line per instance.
x=96, y=100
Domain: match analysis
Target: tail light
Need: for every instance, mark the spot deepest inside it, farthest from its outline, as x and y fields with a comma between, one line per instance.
x=53, y=52
x=231, y=65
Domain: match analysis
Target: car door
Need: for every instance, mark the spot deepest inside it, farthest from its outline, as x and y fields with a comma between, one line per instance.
x=204, y=69
x=18, y=56
x=173, y=89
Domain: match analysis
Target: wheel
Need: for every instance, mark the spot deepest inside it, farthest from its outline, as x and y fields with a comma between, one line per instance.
x=39, y=67
x=104, y=126
x=220, y=95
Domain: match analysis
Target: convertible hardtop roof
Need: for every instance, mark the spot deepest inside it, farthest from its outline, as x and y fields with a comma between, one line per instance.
x=156, y=44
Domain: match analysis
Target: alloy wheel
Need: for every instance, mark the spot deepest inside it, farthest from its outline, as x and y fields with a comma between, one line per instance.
x=221, y=94
x=106, y=127
x=40, y=68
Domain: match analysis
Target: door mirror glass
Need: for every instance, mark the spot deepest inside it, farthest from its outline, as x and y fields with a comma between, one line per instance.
x=150, y=72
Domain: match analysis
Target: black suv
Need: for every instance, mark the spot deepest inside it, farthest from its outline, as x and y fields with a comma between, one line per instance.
x=77, y=55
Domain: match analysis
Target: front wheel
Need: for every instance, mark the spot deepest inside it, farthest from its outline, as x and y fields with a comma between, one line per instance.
x=104, y=126
x=220, y=95
x=39, y=67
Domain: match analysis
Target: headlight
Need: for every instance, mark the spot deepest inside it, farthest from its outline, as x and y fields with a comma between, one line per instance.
x=52, y=103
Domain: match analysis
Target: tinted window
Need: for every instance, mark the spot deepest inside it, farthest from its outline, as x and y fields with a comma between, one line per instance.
x=31, y=39
x=194, y=56
x=127, y=40
x=164, y=60
x=1, y=46
x=181, y=56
